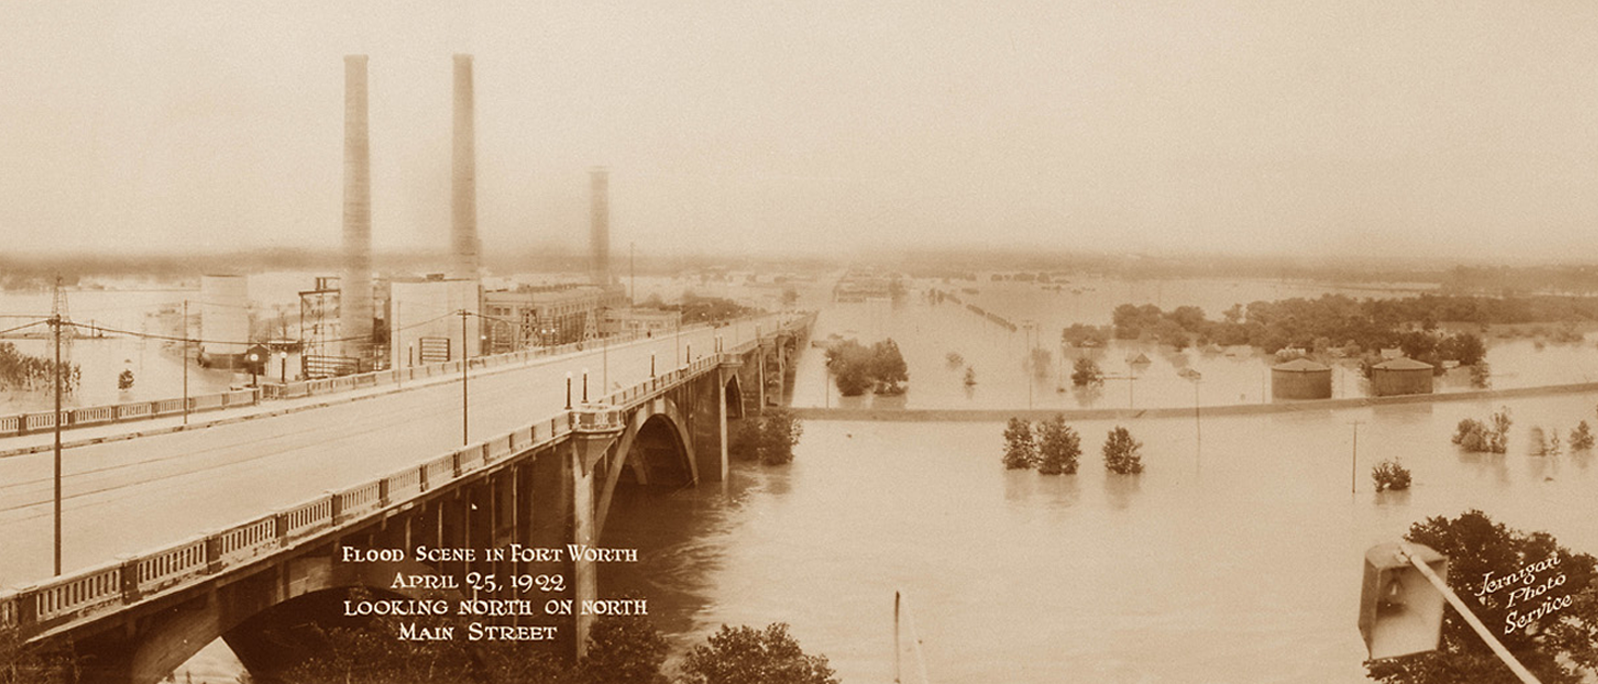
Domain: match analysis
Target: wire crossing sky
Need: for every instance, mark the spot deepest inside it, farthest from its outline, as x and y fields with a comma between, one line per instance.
x=1463, y=129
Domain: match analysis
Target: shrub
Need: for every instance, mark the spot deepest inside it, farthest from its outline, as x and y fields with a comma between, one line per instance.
x=1477, y=436
x=1390, y=475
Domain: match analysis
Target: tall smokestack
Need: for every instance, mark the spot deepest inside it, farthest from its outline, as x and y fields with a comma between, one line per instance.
x=599, y=188
x=463, y=200
x=355, y=297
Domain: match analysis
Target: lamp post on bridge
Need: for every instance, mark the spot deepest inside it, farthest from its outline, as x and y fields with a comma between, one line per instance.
x=568, y=390
x=585, y=385
x=466, y=362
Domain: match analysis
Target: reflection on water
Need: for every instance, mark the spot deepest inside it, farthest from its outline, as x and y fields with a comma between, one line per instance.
x=1237, y=564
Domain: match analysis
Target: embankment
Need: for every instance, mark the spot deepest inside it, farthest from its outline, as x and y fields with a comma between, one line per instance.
x=1001, y=415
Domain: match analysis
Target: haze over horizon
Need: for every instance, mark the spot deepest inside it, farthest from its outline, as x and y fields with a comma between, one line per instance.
x=1243, y=127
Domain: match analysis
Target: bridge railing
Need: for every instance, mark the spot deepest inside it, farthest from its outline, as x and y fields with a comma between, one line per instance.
x=25, y=423
x=38, y=421
x=60, y=601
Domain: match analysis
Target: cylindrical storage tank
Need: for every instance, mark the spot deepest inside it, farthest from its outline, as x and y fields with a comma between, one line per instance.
x=1401, y=376
x=1301, y=379
x=224, y=319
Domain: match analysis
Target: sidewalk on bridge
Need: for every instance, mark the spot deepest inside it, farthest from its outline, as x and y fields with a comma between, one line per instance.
x=37, y=442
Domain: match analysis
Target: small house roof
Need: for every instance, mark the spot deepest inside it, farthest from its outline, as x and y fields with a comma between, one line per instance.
x=1403, y=363
x=1301, y=366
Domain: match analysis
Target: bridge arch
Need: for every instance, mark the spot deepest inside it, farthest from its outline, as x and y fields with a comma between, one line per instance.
x=735, y=397
x=242, y=613
x=656, y=449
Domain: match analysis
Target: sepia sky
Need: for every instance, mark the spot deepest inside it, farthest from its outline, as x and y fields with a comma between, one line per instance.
x=1464, y=129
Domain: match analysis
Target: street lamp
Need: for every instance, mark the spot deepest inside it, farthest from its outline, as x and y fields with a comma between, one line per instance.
x=254, y=359
x=568, y=390
x=283, y=367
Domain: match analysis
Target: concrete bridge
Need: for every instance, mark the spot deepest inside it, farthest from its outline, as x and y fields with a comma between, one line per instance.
x=545, y=484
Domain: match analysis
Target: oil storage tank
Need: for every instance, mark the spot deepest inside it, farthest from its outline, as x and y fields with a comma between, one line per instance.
x=1301, y=379
x=1401, y=376
x=224, y=320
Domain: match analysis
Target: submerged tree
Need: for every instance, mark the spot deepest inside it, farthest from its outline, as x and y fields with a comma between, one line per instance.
x=1020, y=447
x=1484, y=437
x=768, y=438
x=850, y=363
x=1059, y=446
x=888, y=368
x=1085, y=372
x=1581, y=437
x=1121, y=452
x=1390, y=475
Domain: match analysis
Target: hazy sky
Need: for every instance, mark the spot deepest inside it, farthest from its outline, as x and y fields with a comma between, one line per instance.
x=1354, y=126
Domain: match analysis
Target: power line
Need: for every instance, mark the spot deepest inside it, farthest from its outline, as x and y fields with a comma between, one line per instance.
x=23, y=327
x=170, y=338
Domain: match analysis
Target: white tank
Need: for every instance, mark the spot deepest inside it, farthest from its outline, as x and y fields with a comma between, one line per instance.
x=224, y=317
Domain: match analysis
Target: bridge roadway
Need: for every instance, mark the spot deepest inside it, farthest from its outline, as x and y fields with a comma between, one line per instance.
x=123, y=497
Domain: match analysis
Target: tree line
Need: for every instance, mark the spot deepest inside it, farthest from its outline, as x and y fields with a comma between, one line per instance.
x=24, y=372
x=1054, y=448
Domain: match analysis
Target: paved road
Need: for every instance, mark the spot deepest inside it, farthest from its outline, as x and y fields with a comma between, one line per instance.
x=130, y=496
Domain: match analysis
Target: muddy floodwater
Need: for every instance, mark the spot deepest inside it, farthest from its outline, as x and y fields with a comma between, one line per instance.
x=1239, y=562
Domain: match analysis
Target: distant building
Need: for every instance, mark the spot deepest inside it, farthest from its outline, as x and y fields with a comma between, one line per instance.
x=224, y=320
x=864, y=286
x=1301, y=379
x=425, y=323
x=1401, y=376
x=540, y=316
x=644, y=321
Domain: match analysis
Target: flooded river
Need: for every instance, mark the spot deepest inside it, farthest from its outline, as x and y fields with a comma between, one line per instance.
x=1237, y=562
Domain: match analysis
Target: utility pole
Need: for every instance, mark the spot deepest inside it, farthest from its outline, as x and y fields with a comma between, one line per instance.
x=1353, y=460
x=466, y=360
x=55, y=328
x=185, y=362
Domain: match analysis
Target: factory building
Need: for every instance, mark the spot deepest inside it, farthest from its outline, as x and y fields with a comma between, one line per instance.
x=541, y=316
x=1301, y=379
x=640, y=320
x=425, y=323
x=1401, y=376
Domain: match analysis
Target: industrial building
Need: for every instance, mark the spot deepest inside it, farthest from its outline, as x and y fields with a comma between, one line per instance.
x=425, y=321
x=1401, y=376
x=640, y=320
x=541, y=316
x=1301, y=379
